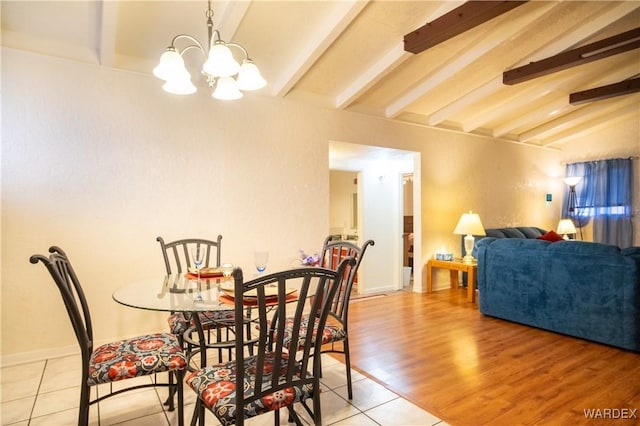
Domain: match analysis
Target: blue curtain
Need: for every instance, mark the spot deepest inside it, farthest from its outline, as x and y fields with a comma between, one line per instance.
x=605, y=195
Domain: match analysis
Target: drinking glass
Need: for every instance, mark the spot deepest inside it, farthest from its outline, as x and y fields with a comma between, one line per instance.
x=261, y=258
x=227, y=270
x=197, y=256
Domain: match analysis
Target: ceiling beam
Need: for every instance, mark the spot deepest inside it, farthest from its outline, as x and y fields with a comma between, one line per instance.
x=604, y=48
x=605, y=92
x=463, y=18
x=107, y=31
x=340, y=18
x=588, y=27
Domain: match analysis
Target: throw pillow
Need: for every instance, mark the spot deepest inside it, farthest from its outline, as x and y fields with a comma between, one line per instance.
x=551, y=236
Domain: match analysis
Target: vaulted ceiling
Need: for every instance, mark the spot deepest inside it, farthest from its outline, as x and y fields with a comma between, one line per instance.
x=350, y=55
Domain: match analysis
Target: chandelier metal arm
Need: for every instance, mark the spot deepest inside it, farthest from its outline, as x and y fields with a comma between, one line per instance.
x=197, y=44
x=244, y=51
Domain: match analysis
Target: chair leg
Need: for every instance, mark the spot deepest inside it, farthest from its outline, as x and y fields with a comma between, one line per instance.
x=347, y=361
x=172, y=390
x=83, y=413
x=317, y=415
x=180, y=390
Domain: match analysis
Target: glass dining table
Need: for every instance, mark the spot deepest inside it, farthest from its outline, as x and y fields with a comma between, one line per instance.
x=182, y=293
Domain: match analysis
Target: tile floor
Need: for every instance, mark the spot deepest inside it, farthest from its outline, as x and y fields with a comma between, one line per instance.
x=46, y=393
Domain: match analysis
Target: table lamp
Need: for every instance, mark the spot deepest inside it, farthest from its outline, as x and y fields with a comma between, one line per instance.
x=469, y=225
x=566, y=226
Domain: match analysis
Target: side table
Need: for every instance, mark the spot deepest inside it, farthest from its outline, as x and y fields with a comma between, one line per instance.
x=454, y=266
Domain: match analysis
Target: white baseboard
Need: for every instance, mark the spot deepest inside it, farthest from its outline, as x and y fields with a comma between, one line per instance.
x=39, y=355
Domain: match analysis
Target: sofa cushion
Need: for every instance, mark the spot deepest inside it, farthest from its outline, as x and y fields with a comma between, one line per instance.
x=551, y=236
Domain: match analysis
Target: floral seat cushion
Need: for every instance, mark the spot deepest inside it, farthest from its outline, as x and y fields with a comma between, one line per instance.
x=138, y=356
x=178, y=324
x=333, y=332
x=215, y=386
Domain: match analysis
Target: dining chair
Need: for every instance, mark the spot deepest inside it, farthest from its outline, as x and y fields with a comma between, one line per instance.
x=282, y=371
x=120, y=360
x=177, y=260
x=335, y=329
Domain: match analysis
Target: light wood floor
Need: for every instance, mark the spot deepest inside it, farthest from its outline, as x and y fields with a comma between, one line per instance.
x=439, y=352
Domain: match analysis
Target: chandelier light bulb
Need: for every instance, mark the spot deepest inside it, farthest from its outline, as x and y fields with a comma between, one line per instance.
x=227, y=89
x=249, y=77
x=220, y=62
x=171, y=66
x=179, y=86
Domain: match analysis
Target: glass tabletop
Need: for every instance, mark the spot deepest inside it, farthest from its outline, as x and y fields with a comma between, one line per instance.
x=173, y=293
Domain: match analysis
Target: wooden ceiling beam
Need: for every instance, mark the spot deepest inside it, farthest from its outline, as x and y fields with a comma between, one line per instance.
x=604, y=48
x=463, y=18
x=604, y=92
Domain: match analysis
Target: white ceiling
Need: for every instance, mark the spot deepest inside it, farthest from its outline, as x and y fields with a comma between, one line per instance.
x=349, y=54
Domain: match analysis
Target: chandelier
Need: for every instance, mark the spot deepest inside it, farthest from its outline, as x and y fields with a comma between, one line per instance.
x=220, y=66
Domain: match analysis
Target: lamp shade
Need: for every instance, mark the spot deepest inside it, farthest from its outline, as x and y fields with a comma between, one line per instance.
x=220, y=62
x=566, y=226
x=469, y=224
x=179, y=86
x=171, y=66
x=572, y=180
x=226, y=89
x=249, y=77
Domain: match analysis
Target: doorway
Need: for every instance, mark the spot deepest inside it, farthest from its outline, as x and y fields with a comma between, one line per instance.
x=379, y=206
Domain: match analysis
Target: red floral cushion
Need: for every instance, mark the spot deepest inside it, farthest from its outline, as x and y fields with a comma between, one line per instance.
x=331, y=333
x=215, y=386
x=139, y=356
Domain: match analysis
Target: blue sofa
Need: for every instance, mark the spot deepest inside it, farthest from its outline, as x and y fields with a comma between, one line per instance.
x=578, y=288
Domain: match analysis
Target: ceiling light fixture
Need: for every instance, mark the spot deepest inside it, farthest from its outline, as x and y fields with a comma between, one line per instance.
x=220, y=67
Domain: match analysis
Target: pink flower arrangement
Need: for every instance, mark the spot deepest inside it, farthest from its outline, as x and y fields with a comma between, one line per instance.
x=309, y=259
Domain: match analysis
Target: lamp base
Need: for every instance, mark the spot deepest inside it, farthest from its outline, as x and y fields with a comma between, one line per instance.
x=469, y=242
x=469, y=259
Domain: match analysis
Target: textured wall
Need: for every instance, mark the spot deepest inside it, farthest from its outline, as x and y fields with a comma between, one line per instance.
x=101, y=162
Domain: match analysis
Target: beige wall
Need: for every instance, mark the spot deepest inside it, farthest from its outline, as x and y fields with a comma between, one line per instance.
x=101, y=162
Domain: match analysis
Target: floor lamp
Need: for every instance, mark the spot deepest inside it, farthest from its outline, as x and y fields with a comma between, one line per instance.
x=566, y=225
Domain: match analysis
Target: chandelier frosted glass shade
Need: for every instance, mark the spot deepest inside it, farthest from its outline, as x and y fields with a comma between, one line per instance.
x=249, y=77
x=227, y=89
x=171, y=66
x=220, y=62
x=180, y=86
x=221, y=69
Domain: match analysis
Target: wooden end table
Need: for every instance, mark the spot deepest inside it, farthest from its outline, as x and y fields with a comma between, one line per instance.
x=454, y=266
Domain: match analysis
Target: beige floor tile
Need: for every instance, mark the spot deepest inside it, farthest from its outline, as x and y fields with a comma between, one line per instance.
x=61, y=373
x=335, y=408
x=21, y=381
x=402, y=413
x=129, y=406
x=65, y=418
x=53, y=402
x=157, y=419
x=17, y=410
x=357, y=420
x=367, y=394
x=335, y=375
